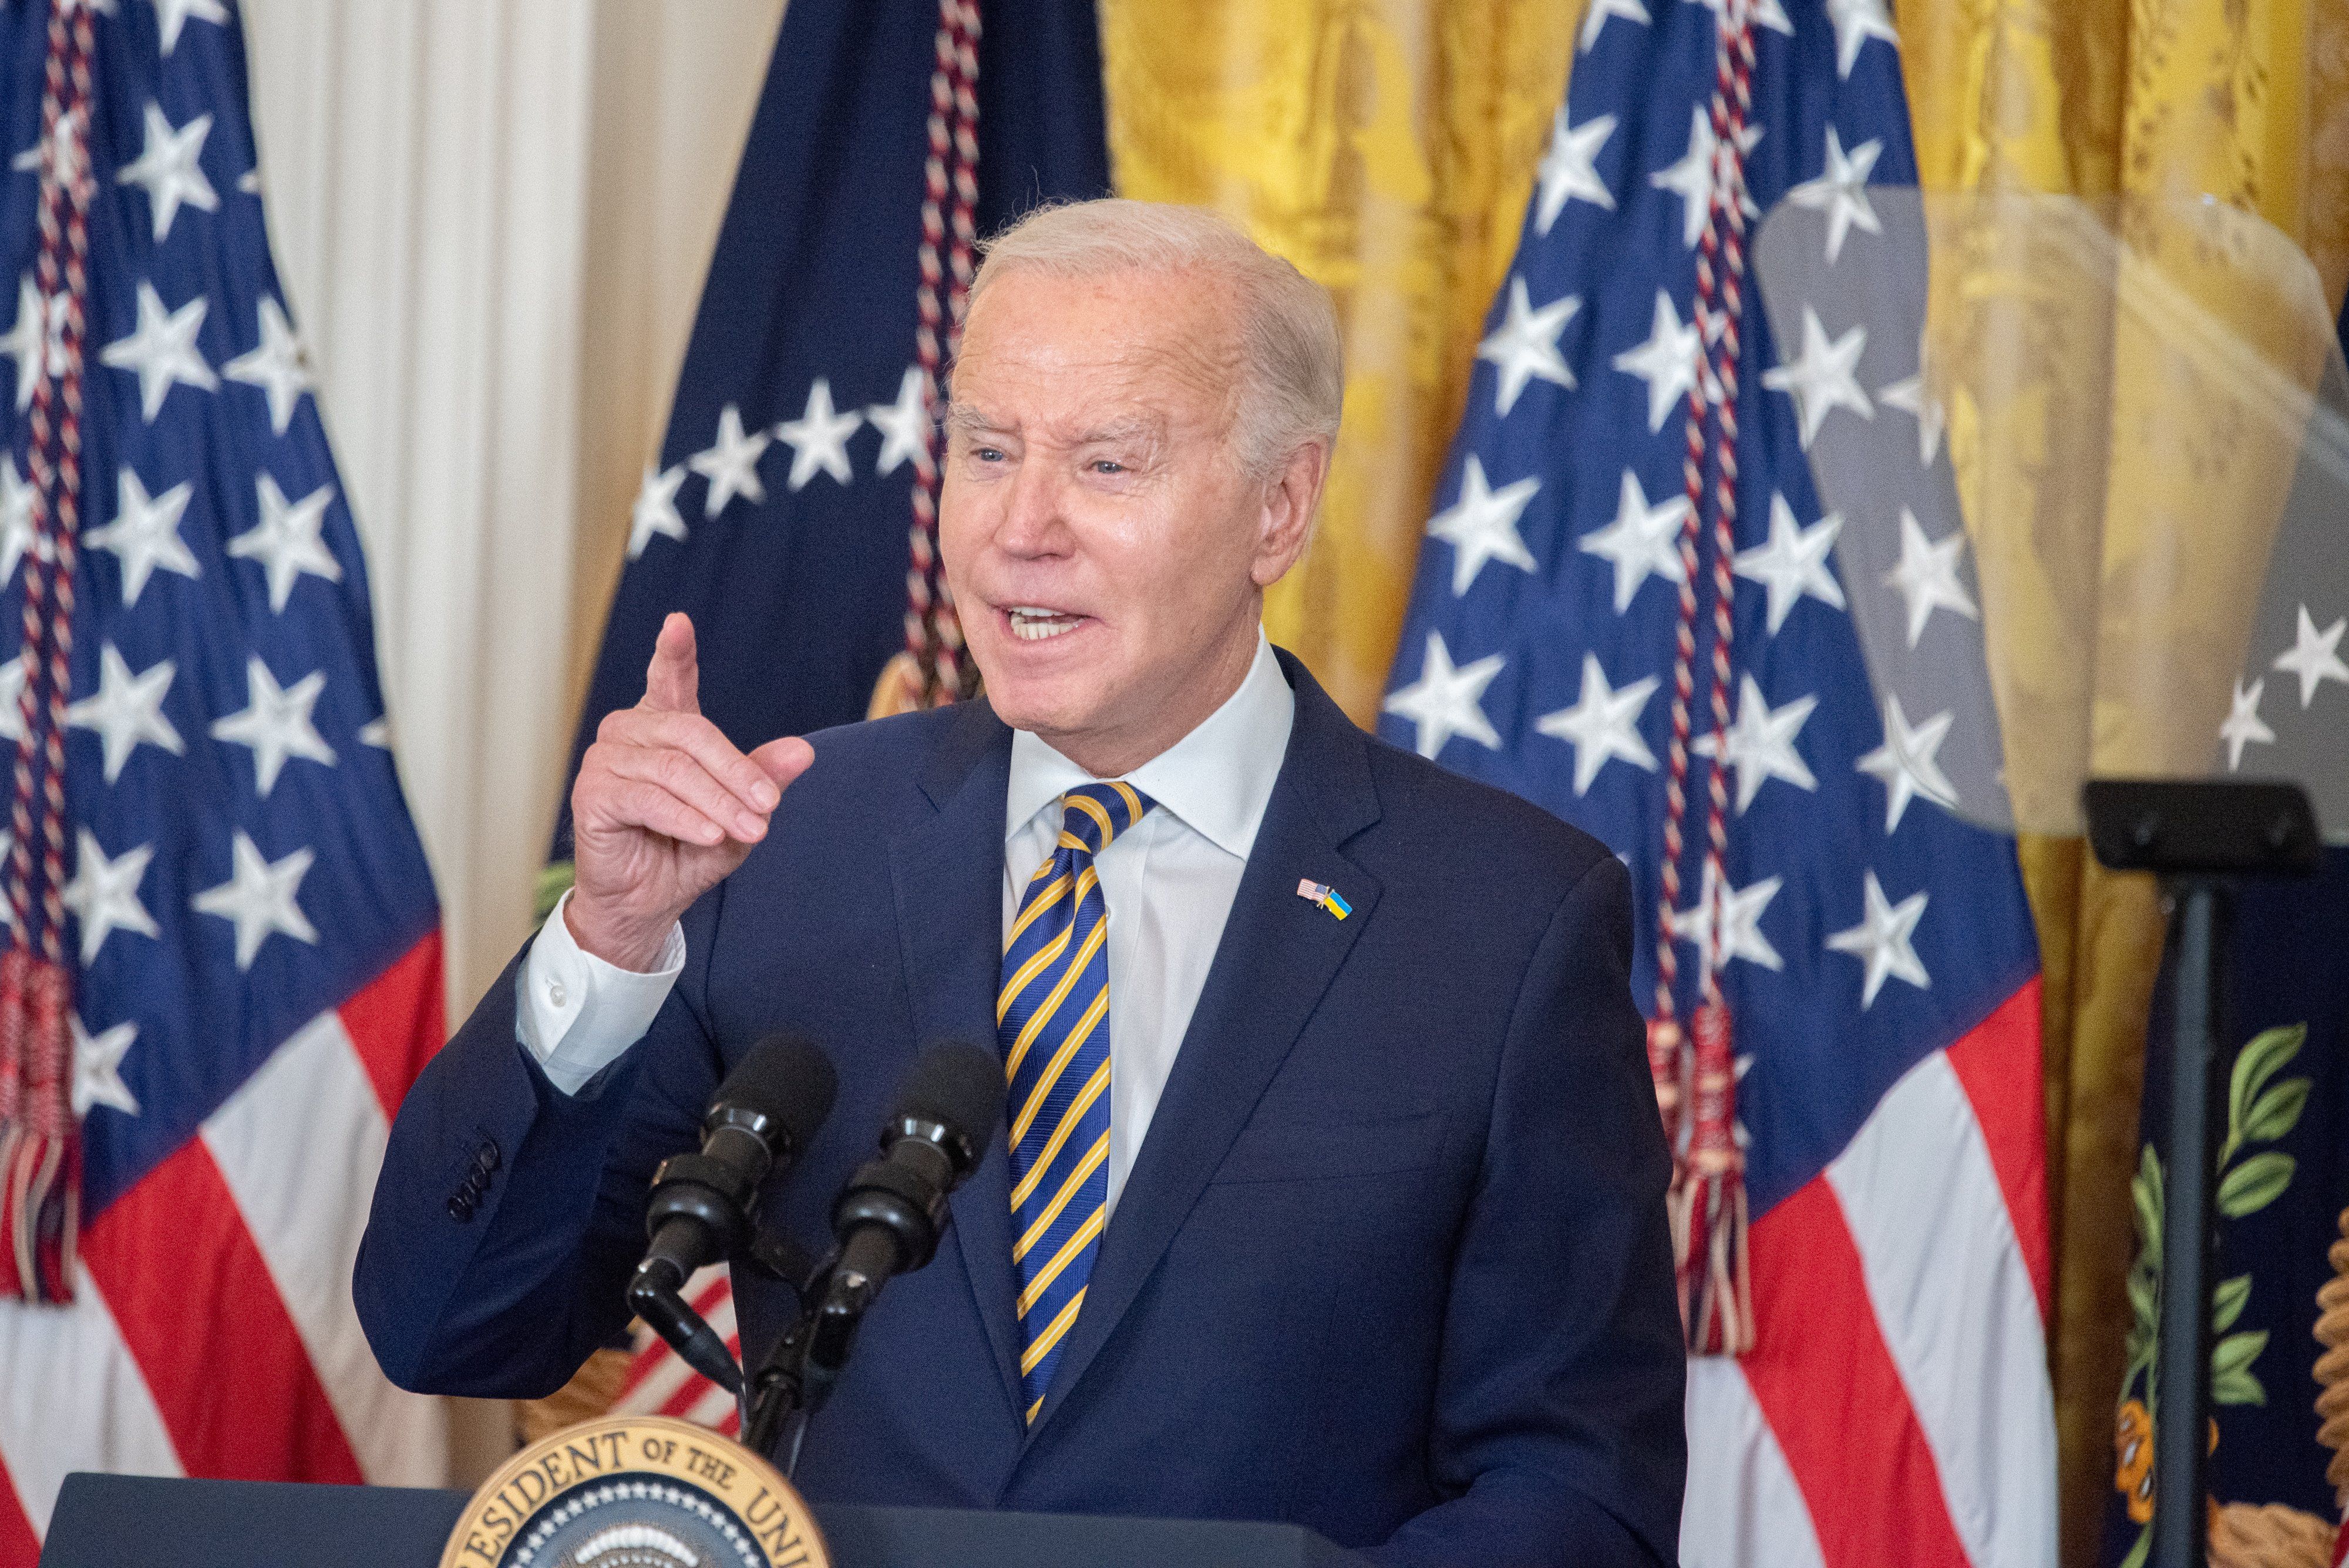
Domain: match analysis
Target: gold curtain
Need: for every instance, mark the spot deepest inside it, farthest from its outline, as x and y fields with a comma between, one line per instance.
x=1388, y=147
x=2242, y=101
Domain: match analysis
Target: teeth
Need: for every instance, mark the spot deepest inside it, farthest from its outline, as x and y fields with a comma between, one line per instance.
x=1031, y=624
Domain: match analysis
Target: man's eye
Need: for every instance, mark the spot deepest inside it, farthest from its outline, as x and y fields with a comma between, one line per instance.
x=988, y=453
x=1107, y=465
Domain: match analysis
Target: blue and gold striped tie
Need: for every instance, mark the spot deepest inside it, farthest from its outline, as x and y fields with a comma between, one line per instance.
x=1052, y=1019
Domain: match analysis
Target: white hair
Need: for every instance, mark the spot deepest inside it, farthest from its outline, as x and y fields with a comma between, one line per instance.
x=1293, y=378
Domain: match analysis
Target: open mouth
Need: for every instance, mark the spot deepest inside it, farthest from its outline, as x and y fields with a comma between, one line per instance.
x=1034, y=623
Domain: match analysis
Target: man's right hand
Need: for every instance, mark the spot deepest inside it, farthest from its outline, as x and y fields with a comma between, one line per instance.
x=664, y=807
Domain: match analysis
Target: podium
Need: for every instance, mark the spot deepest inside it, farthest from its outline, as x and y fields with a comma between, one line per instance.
x=130, y=1522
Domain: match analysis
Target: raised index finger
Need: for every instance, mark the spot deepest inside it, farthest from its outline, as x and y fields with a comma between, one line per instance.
x=673, y=680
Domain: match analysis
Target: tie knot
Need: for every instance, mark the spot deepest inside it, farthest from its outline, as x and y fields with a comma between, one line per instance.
x=1095, y=813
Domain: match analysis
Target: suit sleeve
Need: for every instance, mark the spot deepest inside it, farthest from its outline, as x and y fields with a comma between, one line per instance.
x=509, y=1215
x=1557, y=1429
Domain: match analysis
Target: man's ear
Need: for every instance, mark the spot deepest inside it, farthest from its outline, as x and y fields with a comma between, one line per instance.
x=1291, y=499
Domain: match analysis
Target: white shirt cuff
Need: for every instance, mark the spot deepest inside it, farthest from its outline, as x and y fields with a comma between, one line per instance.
x=578, y=1013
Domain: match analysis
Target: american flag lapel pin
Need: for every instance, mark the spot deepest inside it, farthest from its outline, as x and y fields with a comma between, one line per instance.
x=1324, y=895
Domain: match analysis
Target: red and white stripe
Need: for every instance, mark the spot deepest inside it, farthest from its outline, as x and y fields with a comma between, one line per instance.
x=659, y=1383
x=1898, y=1408
x=213, y=1333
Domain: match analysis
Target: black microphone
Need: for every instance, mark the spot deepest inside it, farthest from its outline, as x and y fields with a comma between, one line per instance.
x=888, y=1218
x=704, y=1206
x=887, y=1221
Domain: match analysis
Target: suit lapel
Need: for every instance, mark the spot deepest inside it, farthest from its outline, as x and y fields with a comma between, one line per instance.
x=948, y=876
x=1277, y=956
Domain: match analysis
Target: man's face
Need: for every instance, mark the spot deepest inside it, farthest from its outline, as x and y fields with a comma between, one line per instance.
x=1105, y=550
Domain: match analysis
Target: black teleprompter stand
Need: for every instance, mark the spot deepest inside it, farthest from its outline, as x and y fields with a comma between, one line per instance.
x=2201, y=838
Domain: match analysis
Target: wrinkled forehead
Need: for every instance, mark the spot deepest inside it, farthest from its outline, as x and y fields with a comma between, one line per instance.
x=1054, y=353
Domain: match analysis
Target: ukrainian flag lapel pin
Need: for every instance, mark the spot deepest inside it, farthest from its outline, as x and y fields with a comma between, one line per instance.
x=1324, y=895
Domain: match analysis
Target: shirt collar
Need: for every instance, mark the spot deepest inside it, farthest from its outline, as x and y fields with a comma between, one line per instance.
x=1217, y=779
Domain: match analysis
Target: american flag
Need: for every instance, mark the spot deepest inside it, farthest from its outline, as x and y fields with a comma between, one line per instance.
x=210, y=852
x=1872, y=955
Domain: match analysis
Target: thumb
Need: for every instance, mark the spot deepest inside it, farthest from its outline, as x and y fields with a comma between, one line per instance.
x=784, y=760
x=673, y=680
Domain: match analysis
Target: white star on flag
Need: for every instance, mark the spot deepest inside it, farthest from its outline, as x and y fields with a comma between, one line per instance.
x=1603, y=724
x=1642, y=540
x=1855, y=21
x=98, y=1068
x=259, y=899
x=819, y=437
x=169, y=169
x=1569, y=170
x=17, y=539
x=2314, y=656
x=1525, y=345
x=1761, y=743
x=12, y=701
x=1482, y=526
x=104, y=894
x=731, y=464
x=1927, y=575
x=162, y=352
x=145, y=533
x=655, y=509
x=1881, y=941
x=288, y=540
x=1906, y=763
x=1666, y=361
x=1734, y=916
x=31, y=339
x=1445, y=702
x=1692, y=177
x=126, y=709
x=275, y=722
x=905, y=425
x=2241, y=727
x=1821, y=381
x=1914, y=397
x=1842, y=192
x=1595, y=18
x=171, y=15
x=277, y=366
x=1793, y=562
x=64, y=147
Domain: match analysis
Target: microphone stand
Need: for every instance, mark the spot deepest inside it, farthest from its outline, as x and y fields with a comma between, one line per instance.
x=2199, y=838
x=803, y=1367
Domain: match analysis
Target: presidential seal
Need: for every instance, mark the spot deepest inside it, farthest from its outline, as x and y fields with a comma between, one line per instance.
x=636, y=1492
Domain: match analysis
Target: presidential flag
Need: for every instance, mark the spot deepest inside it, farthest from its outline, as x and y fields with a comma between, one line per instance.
x=1628, y=610
x=792, y=508
x=223, y=963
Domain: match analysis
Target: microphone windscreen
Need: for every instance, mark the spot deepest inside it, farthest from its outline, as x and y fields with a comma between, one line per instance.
x=956, y=1085
x=787, y=1078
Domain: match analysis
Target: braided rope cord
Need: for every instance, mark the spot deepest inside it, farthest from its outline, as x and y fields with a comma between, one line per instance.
x=40, y=1138
x=939, y=671
x=1708, y=1198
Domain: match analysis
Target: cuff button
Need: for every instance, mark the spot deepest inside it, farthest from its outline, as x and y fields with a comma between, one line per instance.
x=461, y=1210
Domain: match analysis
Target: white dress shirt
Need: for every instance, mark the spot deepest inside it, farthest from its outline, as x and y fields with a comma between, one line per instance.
x=1168, y=883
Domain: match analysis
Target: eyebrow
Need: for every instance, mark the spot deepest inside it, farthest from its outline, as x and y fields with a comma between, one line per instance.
x=970, y=420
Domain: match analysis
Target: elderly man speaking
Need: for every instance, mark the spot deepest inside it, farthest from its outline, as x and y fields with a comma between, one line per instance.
x=1332, y=1189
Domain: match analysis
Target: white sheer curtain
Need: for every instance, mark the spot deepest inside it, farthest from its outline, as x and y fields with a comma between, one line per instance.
x=492, y=218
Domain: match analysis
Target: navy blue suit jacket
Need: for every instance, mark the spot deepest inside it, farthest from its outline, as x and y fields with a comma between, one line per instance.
x=1393, y=1262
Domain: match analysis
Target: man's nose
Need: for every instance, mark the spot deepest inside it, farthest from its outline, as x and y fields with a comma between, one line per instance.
x=1032, y=523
